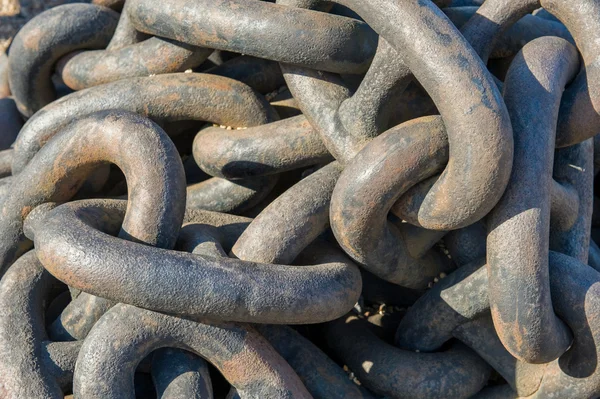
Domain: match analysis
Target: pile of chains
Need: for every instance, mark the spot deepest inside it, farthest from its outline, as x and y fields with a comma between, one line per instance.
x=301, y=199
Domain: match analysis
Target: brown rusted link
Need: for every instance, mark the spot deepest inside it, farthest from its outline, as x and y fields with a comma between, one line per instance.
x=578, y=118
x=31, y=366
x=61, y=167
x=292, y=221
x=80, y=315
x=321, y=376
x=126, y=334
x=418, y=104
x=300, y=211
x=414, y=102
x=395, y=373
x=519, y=225
x=469, y=243
x=454, y=208
x=46, y=38
x=371, y=183
x=575, y=298
x=92, y=68
x=346, y=123
x=262, y=150
x=484, y=38
x=262, y=75
x=223, y=289
x=313, y=39
x=129, y=54
x=177, y=373
x=301, y=354
x=168, y=97
x=11, y=122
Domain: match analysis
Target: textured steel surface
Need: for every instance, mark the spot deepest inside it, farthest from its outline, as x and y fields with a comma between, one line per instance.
x=301, y=198
x=46, y=38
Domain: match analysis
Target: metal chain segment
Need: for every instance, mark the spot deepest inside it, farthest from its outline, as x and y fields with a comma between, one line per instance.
x=180, y=182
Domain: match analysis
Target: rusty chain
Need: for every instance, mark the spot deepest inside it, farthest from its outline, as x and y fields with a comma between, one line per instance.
x=301, y=199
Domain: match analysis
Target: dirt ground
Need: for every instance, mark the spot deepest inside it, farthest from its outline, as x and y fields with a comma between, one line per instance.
x=15, y=13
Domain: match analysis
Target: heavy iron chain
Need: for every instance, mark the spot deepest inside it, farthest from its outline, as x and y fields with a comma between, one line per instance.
x=301, y=198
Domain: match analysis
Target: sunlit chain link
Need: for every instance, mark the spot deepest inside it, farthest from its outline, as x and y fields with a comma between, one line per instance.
x=301, y=198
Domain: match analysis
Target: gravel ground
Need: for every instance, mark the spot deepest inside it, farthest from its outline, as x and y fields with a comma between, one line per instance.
x=15, y=13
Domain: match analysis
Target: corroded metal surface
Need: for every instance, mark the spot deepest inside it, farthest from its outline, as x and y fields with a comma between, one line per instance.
x=45, y=39
x=519, y=225
x=126, y=334
x=319, y=40
x=161, y=98
x=301, y=198
x=59, y=171
x=332, y=280
x=457, y=372
x=129, y=54
x=574, y=374
x=29, y=368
